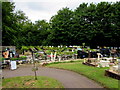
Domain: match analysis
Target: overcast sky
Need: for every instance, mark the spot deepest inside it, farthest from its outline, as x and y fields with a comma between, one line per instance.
x=45, y=9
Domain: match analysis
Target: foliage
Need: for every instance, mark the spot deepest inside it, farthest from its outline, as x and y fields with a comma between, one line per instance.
x=23, y=57
x=8, y=23
x=2, y=58
x=20, y=58
x=118, y=57
x=90, y=24
x=24, y=48
x=48, y=52
x=60, y=28
x=14, y=59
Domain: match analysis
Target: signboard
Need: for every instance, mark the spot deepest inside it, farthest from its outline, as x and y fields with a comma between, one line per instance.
x=13, y=65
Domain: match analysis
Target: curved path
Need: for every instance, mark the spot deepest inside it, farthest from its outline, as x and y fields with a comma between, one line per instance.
x=69, y=79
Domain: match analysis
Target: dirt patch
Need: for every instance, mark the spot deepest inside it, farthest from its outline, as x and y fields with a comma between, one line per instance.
x=30, y=83
x=16, y=85
x=46, y=83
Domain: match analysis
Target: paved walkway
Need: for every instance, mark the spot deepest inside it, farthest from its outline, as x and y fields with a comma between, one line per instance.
x=69, y=79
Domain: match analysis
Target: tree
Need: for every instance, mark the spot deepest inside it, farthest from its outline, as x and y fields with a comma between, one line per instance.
x=93, y=24
x=61, y=27
x=8, y=33
x=21, y=22
x=12, y=24
x=80, y=24
x=41, y=27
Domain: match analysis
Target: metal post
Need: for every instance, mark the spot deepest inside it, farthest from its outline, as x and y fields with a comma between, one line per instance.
x=34, y=65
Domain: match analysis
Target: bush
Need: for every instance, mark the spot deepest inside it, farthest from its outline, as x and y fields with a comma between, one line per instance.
x=14, y=59
x=2, y=58
x=20, y=58
x=118, y=57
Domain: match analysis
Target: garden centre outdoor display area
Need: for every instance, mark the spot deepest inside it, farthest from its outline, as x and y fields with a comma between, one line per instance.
x=104, y=57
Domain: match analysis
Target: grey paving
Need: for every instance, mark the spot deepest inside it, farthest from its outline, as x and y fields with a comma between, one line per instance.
x=69, y=79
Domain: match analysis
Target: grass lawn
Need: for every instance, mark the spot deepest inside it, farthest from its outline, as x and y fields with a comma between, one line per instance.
x=29, y=82
x=94, y=73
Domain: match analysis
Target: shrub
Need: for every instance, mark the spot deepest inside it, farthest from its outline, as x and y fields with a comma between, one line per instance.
x=14, y=59
x=2, y=58
x=20, y=58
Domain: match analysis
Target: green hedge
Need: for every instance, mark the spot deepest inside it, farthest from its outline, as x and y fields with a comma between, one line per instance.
x=20, y=58
x=2, y=58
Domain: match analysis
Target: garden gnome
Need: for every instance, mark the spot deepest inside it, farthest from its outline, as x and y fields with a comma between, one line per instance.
x=6, y=54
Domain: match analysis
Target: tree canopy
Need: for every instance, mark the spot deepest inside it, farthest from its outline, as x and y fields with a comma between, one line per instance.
x=93, y=24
